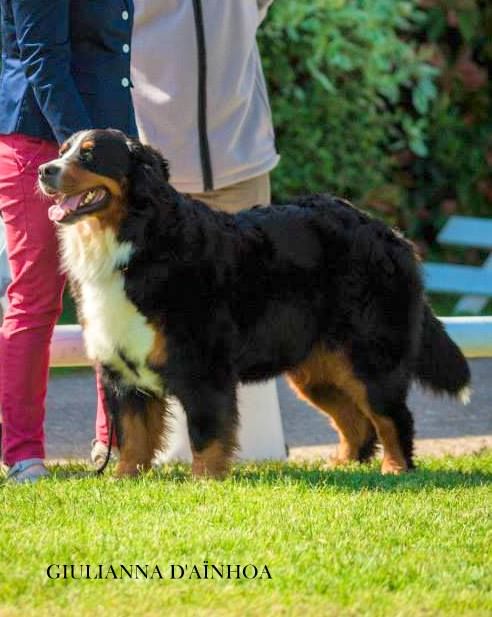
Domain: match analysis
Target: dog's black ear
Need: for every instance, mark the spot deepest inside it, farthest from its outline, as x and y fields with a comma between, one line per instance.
x=147, y=161
x=148, y=192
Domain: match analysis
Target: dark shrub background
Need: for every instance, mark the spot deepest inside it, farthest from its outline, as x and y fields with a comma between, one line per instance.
x=387, y=102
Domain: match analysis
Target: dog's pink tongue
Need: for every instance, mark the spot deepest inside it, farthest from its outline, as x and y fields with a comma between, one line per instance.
x=58, y=211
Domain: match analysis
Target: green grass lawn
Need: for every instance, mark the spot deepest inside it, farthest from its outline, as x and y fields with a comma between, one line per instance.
x=336, y=543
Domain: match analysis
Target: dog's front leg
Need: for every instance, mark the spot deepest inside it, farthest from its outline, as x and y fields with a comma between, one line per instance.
x=140, y=427
x=211, y=412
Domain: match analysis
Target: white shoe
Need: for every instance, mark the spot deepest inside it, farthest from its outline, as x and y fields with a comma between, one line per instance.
x=99, y=452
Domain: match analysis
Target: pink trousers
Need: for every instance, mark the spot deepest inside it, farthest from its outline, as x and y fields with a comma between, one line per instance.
x=35, y=297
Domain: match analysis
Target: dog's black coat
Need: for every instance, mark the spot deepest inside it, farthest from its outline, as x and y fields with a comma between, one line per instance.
x=252, y=293
x=246, y=297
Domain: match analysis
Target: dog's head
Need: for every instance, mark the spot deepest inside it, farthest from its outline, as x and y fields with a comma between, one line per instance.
x=96, y=171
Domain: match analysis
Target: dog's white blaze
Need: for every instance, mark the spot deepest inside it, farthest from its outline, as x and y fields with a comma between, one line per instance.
x=74, y=147
x=112, y=322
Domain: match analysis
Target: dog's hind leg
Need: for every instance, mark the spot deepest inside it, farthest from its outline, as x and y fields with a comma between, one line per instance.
x=385, y=405
x=212, y=418
x=356, y=432
x=383, y=399
x=392, y=422
x=395, y=459
x=402, y=419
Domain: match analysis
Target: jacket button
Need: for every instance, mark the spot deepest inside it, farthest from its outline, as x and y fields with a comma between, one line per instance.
x=125, y=15
x=126, y=48
x=125, y=82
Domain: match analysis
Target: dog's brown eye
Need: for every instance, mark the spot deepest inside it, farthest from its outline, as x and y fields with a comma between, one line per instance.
x=86, y=155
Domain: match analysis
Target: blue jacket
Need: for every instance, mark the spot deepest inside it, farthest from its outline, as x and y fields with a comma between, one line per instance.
x=65, y=67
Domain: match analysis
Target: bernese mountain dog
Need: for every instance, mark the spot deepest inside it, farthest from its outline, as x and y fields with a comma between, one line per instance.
x=176, y=298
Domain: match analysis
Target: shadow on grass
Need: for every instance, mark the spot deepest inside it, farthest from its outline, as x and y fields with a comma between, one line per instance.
x=366, y=478
x=352, y=480
x=356, y=478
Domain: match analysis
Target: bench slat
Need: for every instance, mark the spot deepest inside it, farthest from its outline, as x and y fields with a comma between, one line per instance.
x=473, y=305
x=453, y=278
x=467, y=231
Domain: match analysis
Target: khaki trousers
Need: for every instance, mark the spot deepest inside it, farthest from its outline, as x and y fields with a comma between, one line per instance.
x=260, y=426
x=236, y=197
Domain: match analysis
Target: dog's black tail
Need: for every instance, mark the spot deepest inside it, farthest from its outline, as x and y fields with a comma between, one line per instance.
x=440, y=364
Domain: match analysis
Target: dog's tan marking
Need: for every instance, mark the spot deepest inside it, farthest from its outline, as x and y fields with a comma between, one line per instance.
x=158, y=354
x=354, y=429
x=135, y=453
x=97, y=222
x=75, y=180
x=143, y=434
x=213, y=461
x=64, y=148
x=327, y=368
x=112, y=215
x=393, y=460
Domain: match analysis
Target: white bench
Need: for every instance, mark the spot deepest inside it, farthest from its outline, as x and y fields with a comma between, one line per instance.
x=473, y=282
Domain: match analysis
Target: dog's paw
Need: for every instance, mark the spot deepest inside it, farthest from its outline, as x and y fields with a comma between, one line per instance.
x=126, y=470
x=391, y=467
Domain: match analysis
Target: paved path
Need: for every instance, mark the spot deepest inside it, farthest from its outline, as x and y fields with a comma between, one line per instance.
x=442, y=425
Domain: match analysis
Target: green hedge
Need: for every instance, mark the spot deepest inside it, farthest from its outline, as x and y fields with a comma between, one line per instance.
x=339, y=75
x=363, y=106
x=456, y=177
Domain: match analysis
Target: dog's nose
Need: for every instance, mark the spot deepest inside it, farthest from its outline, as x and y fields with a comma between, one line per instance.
x=48, y=171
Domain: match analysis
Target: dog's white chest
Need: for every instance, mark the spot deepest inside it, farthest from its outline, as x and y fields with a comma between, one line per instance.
x=116, y=334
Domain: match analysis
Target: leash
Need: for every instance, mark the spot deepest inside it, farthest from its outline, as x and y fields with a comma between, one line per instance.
x=100, y=470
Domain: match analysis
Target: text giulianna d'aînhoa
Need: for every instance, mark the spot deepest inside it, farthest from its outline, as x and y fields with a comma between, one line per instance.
x=172, y=571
